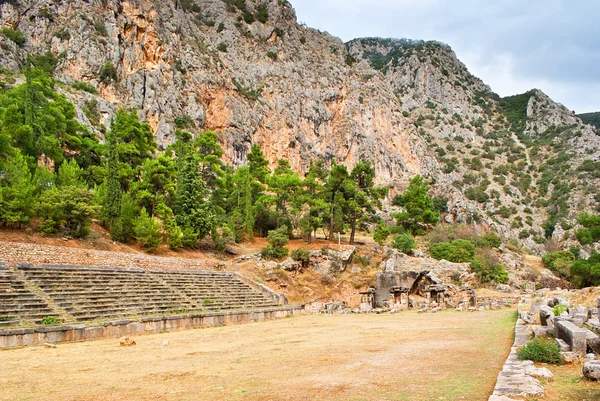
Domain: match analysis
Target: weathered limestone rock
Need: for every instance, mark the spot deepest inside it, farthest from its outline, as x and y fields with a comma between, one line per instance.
x=126, y=341
x=290, y=264
x=540, y=331
x=539, y=372
x=591, y=370
x=3, y=265
x=546, y=316
x=333, y=261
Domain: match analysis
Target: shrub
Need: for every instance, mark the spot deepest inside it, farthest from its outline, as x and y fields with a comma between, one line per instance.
x=277, y=239
x=404, y=243
x=50, y=321
x=490, y=240
x=487, y=267
x=361, y=260
x=14, y=35
x=274, y=252
x=381, y=233
x=222, y=47
x=458, y=251
x=559, y=309
x=84, y=86
x=301, y=255
x=262, y=13
x=108, y=73
x=147, y=231
x=559, y=262
x=63, y=34
x=540, y=350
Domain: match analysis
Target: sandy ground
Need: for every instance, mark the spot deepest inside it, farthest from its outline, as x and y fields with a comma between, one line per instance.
x=408, y=356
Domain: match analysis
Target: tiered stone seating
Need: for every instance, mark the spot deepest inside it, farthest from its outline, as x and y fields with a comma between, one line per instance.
x=92, y=293
x=88, y=293
x=19, y=305
x=216, y=290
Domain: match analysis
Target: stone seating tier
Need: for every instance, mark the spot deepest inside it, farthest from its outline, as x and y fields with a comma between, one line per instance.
x=81, y=293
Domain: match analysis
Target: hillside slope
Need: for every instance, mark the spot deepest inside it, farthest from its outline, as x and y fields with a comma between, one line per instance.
x=524, y=166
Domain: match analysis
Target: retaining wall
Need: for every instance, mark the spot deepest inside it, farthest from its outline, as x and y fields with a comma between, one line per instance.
x=151, y=325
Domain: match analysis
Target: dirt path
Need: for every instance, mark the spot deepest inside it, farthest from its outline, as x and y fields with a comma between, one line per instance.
x=444, y=356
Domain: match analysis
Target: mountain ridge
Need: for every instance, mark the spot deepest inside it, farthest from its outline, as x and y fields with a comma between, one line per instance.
x=250, y=72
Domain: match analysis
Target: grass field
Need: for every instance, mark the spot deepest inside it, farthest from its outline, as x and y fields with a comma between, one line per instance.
x=408, y=356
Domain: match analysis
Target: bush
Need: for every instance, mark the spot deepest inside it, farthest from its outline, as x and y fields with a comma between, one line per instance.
x=108, y=73
x=50, y=321
x=84, y=86
x=559, y=309
x=274, y=252
x=222, y=47
x=382, y=232
x=301, y=255
x=457, y=251
x=14, y=35
x=147, y=232
x=559, y=262
x=490, y=240
x=487, y=267
x=540, y=350
x=277, y=239
x=404, y=243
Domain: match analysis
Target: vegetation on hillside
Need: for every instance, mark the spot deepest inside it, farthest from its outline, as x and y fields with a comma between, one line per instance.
x=56, y=175
x=591, y=119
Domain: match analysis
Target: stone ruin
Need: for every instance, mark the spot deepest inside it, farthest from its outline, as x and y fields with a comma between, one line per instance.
x=414, y=282
x=576, y=330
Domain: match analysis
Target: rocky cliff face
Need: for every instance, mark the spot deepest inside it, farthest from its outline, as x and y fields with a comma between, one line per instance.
x=249, y=71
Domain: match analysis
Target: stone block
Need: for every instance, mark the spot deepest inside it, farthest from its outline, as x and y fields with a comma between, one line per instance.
x=540, y=331
x=546, y=316
x=572, y=335
x=564, y=347
x=591, y=370
x=568, y=357
x=539, y=372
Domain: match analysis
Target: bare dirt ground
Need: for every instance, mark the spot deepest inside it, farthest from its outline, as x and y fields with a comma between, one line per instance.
x=407, y=357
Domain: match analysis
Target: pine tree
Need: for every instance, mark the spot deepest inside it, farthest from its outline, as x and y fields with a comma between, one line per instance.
x=147, y=232
x=17, y=192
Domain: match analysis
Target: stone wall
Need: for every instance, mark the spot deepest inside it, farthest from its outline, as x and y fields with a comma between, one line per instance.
x=80, y=332
x=14, y=252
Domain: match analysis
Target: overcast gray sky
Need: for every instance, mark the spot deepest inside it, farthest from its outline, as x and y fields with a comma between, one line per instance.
x=512, y=45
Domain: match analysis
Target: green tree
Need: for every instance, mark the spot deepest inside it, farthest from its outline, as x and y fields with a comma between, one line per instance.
x=287, y=189
x=133, y=143
x=363, y=196
x=381, y=234
x=70, y=207
x=147, y=231
x=404, y=243
x=157, y=183
x=122, y=227
x=333, y=193
x=16, y=192
x=586, y=273
x=192, y=210
x=420, y=209
x=277, y=240
x=257, y=162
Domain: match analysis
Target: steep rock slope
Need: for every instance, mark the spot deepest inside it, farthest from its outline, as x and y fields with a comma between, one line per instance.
x=523, y=165
x=203, y=65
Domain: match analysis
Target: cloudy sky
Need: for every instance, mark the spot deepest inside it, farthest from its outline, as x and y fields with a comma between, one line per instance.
x=512, y=45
